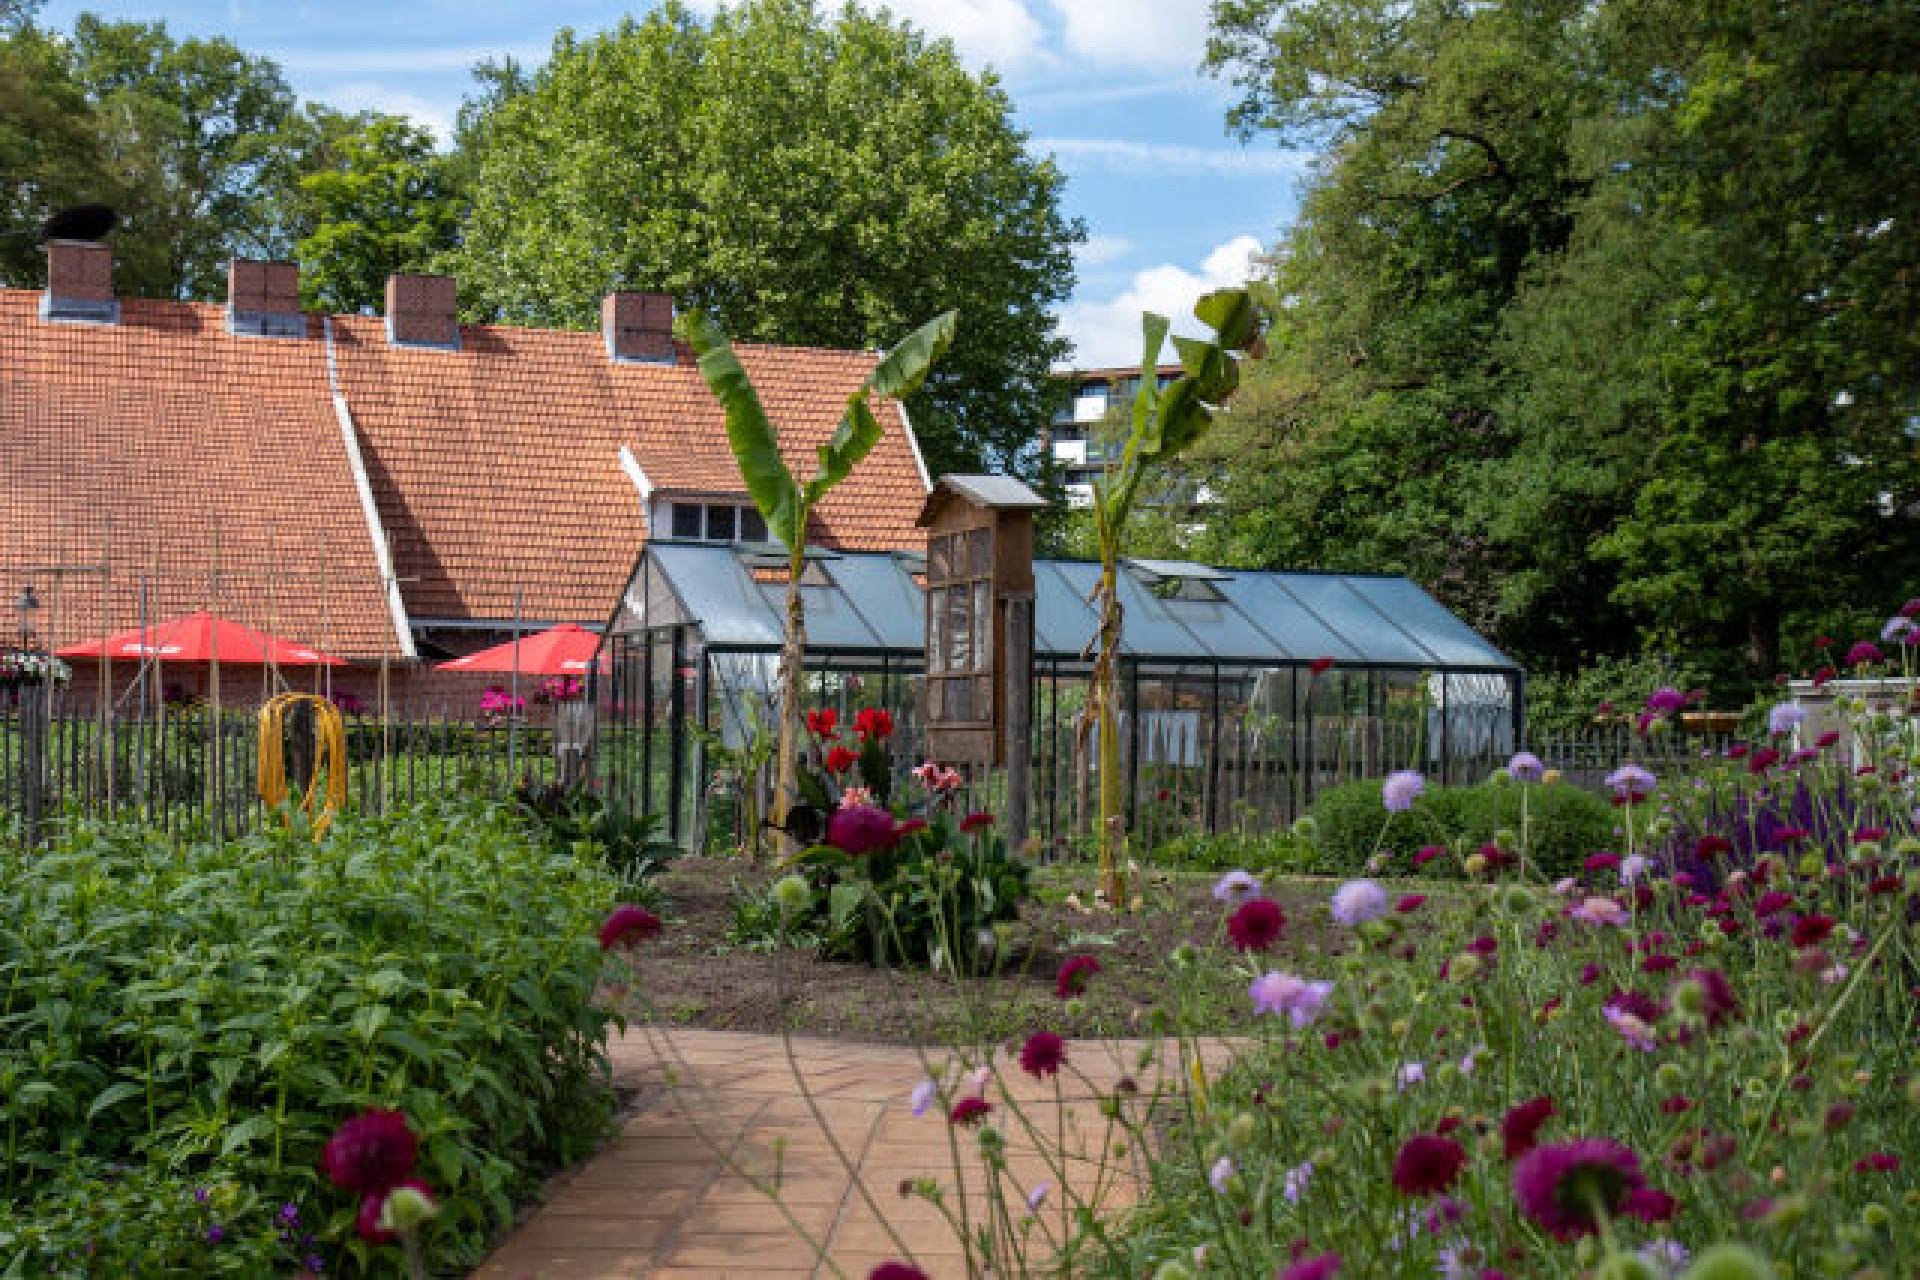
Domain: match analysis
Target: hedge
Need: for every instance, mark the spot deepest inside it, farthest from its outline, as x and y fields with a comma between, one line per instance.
x=1564, y=824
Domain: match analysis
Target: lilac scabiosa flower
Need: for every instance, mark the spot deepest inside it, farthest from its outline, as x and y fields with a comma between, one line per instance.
x=1298, y=998
x=1293, y=1183
x=1897, y=628
x=1633, y=867
x=1784, y=718
x=1035, y=1196
x=1601, y=911
x=1358, y=901
x=1401, y=789
x=1631, y=782
x=1412, y=1073
x=1218, y=1176
x=1236, y=887
x=1668, y=1257
x=1632, y=1028
x=922, y=1097
x=1526, y=767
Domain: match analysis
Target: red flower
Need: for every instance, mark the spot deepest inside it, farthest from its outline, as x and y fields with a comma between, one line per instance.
x=1823, y=675
x=1812, y=930
x=1676, y=1105
x=861, y=829
x=1320, y=666
x=1565, y=1186
x=1520, y=1127
x=1042, y=1054
x=1837, y=1117
x=1412, y=902
x=821, y=724
x=1762, y=760
x=1878, y=1162
x=873, y=722
x=1885, y=884
x=1827, y=739
x=371, y=1153
x=969, y=1110
x=1484, y=945
x=839, y=760
x=1772, y=902
x=976, y=821
x=896, y=1271
x=1256, y=924
x=1427, y=1164
x=1322, y=1267
x=1601, y=861
x=1073, y=975
x=625, y=922
x=1658, y=962
x=1707, y=848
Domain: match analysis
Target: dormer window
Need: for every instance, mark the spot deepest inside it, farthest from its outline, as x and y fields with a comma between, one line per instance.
x=715, y=522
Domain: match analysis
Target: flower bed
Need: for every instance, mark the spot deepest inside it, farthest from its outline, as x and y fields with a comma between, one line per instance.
x=185, y=1029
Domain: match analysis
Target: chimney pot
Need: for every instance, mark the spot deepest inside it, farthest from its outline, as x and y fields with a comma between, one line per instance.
x=263, y=299
x=80, y=283
x=638, y=327
x=421, y=311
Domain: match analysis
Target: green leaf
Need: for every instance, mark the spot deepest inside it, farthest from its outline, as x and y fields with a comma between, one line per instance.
x=1231, y=315
x=112, y=1094
x=902, y=370
x=755, y=444
x=842, y=901
x=246, y=1131
x=1153, y=333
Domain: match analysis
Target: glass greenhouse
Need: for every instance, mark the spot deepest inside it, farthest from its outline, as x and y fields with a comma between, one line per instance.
x=1226, y=724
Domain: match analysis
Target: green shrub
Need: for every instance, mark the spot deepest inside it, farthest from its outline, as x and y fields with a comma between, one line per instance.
x=208, y=1016
x=1564, y=825
x=1280, y=851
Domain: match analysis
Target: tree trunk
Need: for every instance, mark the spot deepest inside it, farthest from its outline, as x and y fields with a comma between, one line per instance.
x=1763, y=639
x=792, y=717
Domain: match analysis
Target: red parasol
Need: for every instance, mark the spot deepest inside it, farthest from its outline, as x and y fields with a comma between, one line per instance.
x=564, y=650
x=197, y=638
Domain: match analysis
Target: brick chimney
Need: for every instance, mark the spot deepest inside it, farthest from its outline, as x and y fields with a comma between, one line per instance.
x=420, y=312
x=638, y=327
x=263, y=299
x=79, y=283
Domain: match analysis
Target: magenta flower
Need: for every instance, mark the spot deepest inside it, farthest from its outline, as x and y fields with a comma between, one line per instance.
x=1665, y=700
x=1864, y=653
x=625, y=922
x=1073, y=975
x=1520, y=1127
x=1320, y=1267
x=1565, y=1187
x=970, y=1110
x=1042, y=1054
x=1299, y=998
x=1256, y=924
x=860, y=829
x=896, y=1271
x=1427, y=1164
x=371, y=1153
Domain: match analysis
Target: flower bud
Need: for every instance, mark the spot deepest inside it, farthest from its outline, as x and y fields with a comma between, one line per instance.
x=1690, y=999
x=406, y=1209
x=1875, y=1217
x=1465, y=967
x=1518, y=899
x=1625, y=1266
x=1475, y=864
x=1550, y=777
x=1241, y=1131
x=1670, y=1077
x=792, y=895
x=1811, y=865
x=1499, y=777
x=1729, y=1262
x=1504, y=839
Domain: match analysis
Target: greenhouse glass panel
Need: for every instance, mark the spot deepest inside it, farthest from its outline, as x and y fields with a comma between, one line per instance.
x=1371, y=635
x=1063, y=621
x=1297, y=633
x=1452, y=641
x=886, y=596
x=719, y=593
x=1227, y=632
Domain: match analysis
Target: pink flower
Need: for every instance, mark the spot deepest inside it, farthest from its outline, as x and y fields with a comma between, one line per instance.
x=1042, y=1054
x=628, y=922
x=1878, y=1162
x=1601, y=911
x=1564, y=1186
x=370, y=1153
x=860, y=829
x=1864, y=653
x=1632, y=1028
x=1412, y=902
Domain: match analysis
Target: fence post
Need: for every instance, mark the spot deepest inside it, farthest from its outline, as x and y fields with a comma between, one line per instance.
x=33, y=750
x=1019, y=727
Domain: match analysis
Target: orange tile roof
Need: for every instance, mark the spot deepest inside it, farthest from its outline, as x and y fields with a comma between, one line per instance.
x=496, y=467
x=144, y=445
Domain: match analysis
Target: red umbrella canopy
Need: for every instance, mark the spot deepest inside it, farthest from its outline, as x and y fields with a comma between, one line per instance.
x=198, y=637
x=564, y=650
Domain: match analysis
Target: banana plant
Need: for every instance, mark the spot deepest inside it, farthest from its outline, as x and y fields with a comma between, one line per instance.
x=1166, y=420
x=787, y=504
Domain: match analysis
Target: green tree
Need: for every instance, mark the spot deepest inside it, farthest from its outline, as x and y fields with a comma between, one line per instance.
x=800, y=178
x=187, y=130
x=381, y=202
x=49, y=147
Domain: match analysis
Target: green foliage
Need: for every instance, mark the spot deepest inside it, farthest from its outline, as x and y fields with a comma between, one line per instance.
x=1276, y=851
x=575, y=820
x=1563, y=825
x=1596, y=318
x=209, y=1015
x=1569, y=703
x=801, y=176
x=96, y=1218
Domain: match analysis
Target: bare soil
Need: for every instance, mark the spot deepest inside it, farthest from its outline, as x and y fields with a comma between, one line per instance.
x=697, y=975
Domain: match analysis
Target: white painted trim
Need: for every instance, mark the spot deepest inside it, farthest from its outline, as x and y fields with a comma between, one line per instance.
x=631, y=465
x=913, y=442
x=382, y=557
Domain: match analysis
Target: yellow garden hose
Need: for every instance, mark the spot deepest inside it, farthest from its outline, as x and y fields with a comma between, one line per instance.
x=330, y=733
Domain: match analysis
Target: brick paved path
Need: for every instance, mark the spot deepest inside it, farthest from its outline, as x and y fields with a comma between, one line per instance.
x=661, y=1202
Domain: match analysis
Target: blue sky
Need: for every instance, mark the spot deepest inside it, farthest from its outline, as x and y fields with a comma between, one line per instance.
x=1109, y=87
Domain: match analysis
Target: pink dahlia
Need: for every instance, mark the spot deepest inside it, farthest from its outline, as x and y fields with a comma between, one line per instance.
x=1256, y=924
x=1427, y=1164
x=627, y=922
x=1073, y=975
x=1566, y=1187
x=1042, y=1054
x=860, y=829
x=371, y=1153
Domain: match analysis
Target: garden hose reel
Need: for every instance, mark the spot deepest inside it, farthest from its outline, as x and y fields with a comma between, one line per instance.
x=330, y=755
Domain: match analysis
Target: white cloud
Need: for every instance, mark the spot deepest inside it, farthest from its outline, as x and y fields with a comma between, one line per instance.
x=1123, y=155
x=1135, y=33
x=1100, y=250
x=370, y=95
x=1108, y=332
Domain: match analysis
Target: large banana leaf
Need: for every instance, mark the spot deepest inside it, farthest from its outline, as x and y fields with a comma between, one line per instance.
x=755, y=445
x=1232, y=316
x=1153, y=334
x=899, y=373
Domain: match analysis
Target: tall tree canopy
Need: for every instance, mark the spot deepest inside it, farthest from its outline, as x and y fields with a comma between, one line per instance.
x=1598, y=318
x=802, y=178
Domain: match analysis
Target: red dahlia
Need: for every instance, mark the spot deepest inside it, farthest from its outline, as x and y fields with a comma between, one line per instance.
x=1256, y=924
x=976, y=821
x=1427, y=1164
x=371, y=1153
